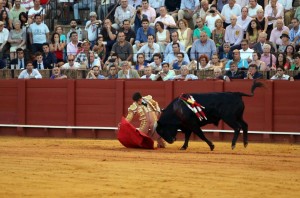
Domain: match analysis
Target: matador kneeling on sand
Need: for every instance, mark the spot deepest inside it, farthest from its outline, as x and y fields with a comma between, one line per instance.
x=148, y=110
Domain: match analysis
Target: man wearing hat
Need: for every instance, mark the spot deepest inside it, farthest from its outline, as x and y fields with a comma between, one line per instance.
x=4, y=46
x=92, y=28
x=285, y=38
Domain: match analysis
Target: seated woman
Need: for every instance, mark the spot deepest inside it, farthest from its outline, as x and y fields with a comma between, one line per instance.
x=290, y=52
x=184, y=33
x=252, y=33
x=17, y=39
x=141, y=62
x=202, y=63
x=57, y=47
x=5, y=19
x=100, y=49
x=281, y=61
x=218, y=33
x=162, y=35
x=261, y=66
x=215, y=62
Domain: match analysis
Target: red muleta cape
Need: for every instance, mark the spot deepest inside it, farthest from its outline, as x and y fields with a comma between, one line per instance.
x=131, y=137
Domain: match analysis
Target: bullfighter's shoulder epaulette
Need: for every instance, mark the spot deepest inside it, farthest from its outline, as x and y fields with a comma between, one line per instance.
x=149, y=97
x=132, y=107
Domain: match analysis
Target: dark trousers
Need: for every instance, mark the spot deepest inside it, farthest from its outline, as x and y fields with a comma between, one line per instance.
x=4, y=49
x=36, y=47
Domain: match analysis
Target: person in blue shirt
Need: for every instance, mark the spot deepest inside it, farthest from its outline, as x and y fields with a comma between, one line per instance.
x=241, y=63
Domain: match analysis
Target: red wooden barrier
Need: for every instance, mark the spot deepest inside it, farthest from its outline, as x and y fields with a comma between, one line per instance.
x=103, y=102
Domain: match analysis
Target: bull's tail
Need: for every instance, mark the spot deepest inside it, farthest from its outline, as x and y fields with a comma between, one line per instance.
x=254, y=86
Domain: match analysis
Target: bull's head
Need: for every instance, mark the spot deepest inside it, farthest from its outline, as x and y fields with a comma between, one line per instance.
x=167, y=132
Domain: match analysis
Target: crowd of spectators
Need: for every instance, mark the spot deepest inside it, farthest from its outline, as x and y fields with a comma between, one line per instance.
x=234, y=38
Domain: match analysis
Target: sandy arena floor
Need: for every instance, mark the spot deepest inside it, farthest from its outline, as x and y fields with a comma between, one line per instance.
x=34, y=167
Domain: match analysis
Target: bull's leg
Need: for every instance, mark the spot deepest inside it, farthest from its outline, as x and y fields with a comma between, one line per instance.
x=244, y=126
x=201, y=135
x=236, y=127
x=187, y=133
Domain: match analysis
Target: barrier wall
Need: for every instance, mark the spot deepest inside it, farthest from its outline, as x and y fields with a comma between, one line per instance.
x=101, y=103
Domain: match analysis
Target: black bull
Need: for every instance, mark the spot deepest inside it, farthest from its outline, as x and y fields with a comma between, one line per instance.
x=227, y=106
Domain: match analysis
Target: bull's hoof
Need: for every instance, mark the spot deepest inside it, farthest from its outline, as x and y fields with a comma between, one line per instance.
x=212, y=147
x=183, y=148
x=245, y=144
x=232, y=147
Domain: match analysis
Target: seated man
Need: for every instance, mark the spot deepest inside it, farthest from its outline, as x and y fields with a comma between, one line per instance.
x=234, y=33
x=142, y=35
x=235, y=72
x=281, y=76
x=166, y=73
x=29, y=72
x=253, y=72
x=112, y=72
x=246, y=52
x=218, y=75
x=56, y=74
x=169, y=47
x=49, y=58
x=94, y=73
x=148, y=73
x=157, y=62
x=184, y=75
x=124, y=11
x=277, y=32
x=71, y=64
x=172, y=57
x=179, y=62
x=148, y=110
x=204, y=45
x=20, y=61
x=165, y=18
x=239, y=62
x=200, y=28
x=149, y=49
x=126, y=71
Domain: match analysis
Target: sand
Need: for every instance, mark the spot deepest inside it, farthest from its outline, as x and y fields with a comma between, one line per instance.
x=47, y=167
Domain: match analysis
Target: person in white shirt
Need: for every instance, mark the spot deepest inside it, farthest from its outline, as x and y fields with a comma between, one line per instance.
x=242, y=3
x=244, y=19
x=29, y=72
x=230, y=9
x=234, y=33
x=274, y=11
x=149, y=49
x=246, y=52
x=92, y=28
x=165, y=18
x=37, y=9
x=124, y=11
x=148, y=73
x=211, y=17
x=184, y=74
x=4, y=33
x=281, y=76
x=253, y=7
x=71, y=64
